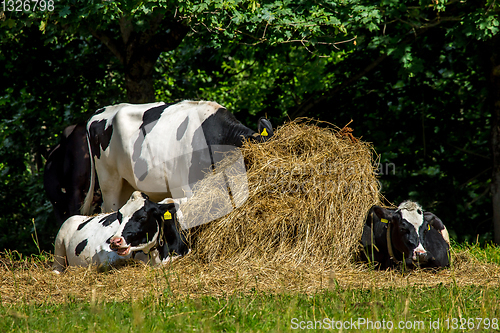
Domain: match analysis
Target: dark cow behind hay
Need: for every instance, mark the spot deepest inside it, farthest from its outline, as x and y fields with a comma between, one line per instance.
x=405, y=236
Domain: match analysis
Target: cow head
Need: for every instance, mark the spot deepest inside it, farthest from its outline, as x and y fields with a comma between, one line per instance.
x=406, y=234
x=408, y=226
x=141, y=224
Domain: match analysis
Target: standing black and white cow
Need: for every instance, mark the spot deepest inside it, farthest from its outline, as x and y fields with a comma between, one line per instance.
x=405, y=235
x=67, y=173
x=109, y=239
x=161, y=149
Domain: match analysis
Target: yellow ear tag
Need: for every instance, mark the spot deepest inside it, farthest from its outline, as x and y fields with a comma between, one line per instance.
x=167, y=215
x=384, y=220
x=429, y=227
x=264, y=133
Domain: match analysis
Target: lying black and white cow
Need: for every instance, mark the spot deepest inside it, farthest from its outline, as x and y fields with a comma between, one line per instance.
x=161, y=149
x=109, y=239
x=405, y=235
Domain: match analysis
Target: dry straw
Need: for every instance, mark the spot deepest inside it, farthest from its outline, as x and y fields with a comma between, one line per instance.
x=31, y=281
x=309, y=189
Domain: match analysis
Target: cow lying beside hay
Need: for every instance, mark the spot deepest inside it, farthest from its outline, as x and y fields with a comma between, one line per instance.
x=406, y=235
x=113, y=238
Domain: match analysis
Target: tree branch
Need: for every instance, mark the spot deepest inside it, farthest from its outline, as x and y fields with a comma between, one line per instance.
x=474, y=178
x=126, y=28
x=114, y=46
x=154, y=26
x=469, y=152
x=313, y=101
x=168, y=41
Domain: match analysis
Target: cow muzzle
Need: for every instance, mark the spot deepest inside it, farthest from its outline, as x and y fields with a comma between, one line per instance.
x=420, y=256
x=118, y=244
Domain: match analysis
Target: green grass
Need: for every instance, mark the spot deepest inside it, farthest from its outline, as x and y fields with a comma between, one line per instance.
x=487, y=253
x=262, y=312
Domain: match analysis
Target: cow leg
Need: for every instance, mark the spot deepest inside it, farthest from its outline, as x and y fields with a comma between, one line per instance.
x=109, y=199
x=59, y=256
x=172, y=258
x=143, y=257
x=111, y=186
x=125, y=193
x=116, y=195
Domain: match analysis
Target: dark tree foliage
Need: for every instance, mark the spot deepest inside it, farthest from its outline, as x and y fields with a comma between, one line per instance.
x=46, y=86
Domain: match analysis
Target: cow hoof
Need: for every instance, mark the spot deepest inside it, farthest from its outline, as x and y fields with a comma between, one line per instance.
x=169, y=259
x=172, y=258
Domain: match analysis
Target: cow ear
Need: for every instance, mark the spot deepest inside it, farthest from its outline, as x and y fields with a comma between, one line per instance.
x=434, y=221
x=265, y=128
x=382, y=213
x=166, y=209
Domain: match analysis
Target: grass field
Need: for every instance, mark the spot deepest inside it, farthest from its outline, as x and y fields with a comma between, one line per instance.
x=190, y=296
x=416, y=307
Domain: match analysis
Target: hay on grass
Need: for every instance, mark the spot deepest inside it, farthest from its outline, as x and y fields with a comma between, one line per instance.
x=309, y=189
x=31, y=281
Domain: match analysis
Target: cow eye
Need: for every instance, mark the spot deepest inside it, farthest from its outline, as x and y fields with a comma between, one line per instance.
x=404, y=230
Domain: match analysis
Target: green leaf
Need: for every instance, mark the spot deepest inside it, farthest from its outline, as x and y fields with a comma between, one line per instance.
x=65, y=11
x=11, y=23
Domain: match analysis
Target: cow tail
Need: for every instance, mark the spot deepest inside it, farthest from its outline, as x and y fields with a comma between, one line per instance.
x=87, y=204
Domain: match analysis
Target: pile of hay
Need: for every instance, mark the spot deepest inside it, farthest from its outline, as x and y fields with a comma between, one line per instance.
x=309, y=189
